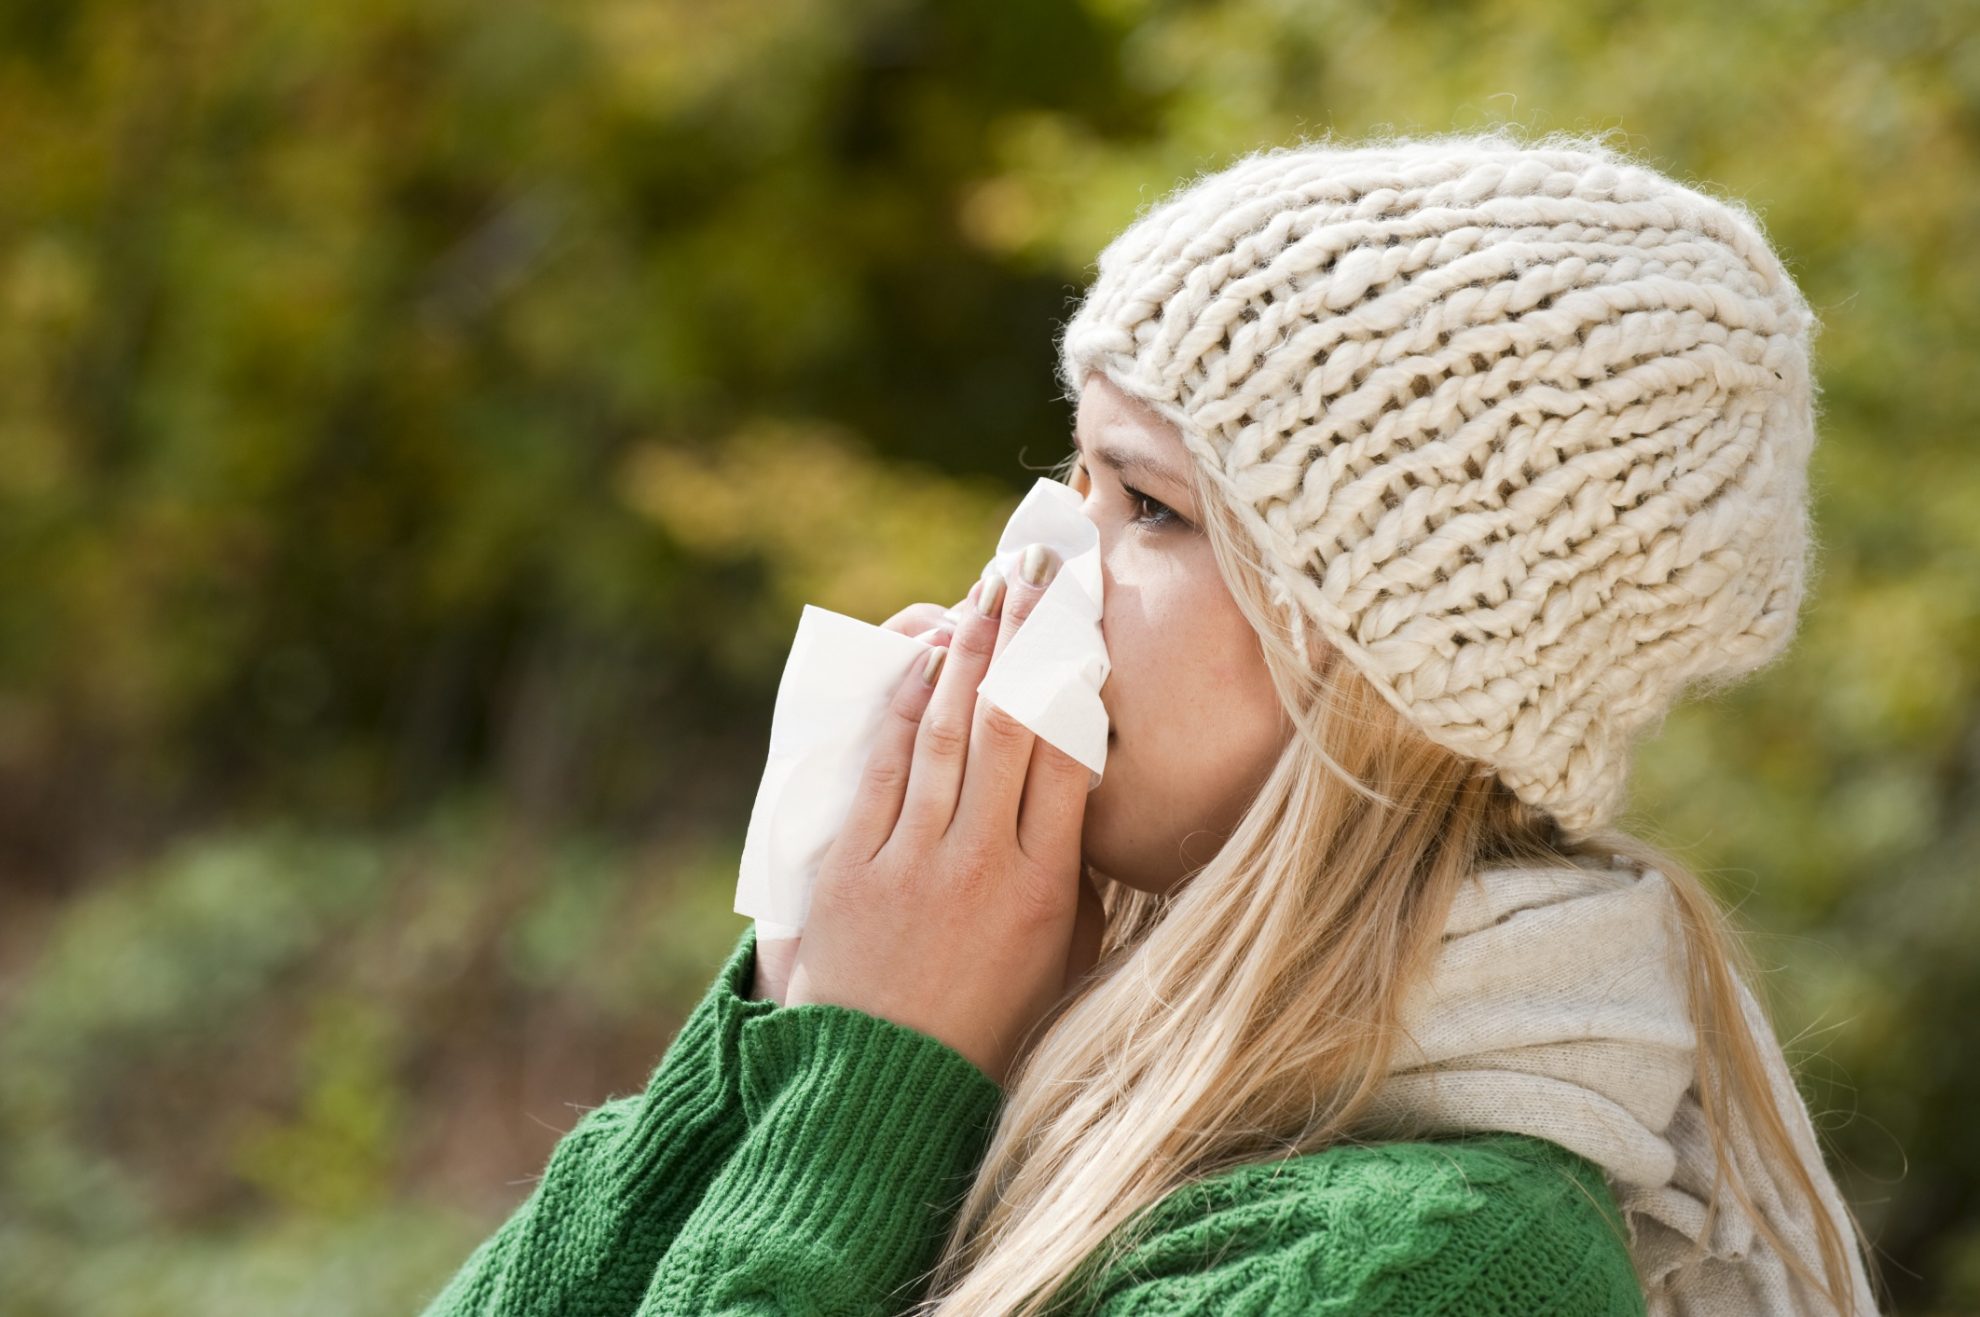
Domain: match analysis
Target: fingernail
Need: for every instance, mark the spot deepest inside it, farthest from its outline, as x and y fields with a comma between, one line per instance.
x=992, y=593
x=931, y=667
x=1037, y=563
x=934, y=634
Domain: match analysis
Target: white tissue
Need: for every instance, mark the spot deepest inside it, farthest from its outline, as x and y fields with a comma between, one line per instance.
x=842, y=674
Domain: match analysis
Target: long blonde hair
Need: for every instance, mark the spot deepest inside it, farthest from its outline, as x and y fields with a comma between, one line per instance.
x=1251, y=1013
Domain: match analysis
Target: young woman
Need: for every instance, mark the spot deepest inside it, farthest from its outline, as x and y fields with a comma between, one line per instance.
x=1428, y=475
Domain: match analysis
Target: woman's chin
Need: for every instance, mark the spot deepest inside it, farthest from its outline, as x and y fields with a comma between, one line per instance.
x=1097, y=851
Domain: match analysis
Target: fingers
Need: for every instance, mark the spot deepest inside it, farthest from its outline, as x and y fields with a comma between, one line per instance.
x=1024, y=594
x=877, y=802
x=1052, y=815
x=935, y=778
x=916, y=618
x=1000, y=747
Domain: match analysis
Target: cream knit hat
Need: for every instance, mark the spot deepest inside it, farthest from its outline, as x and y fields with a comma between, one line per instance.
x=1523, y=430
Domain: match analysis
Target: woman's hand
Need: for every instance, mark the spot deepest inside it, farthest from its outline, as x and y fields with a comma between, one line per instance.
x=950, y=900
x=775, y=956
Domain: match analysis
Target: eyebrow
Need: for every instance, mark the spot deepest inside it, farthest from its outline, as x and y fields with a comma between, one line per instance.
x=1124, y=461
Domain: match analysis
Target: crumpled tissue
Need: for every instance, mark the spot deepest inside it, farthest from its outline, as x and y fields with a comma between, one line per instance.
x=842, y=673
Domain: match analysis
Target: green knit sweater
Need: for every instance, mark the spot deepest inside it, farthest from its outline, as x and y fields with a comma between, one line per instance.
x=809, y=1159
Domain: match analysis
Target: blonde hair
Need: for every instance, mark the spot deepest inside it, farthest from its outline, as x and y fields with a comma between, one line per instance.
x=1251, y=1013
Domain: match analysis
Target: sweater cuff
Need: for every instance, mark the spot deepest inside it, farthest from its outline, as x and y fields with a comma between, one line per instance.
x=864, y=1136
x=689, y=1117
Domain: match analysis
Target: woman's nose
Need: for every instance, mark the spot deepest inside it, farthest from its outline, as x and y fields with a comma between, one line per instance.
x=1089, y=507
x=1106, y=538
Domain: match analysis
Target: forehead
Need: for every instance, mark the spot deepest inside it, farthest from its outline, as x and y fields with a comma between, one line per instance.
x=1125, y=435
x=1106, y=409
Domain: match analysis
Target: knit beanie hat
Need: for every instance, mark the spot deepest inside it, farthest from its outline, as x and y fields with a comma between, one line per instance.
x=1522, y=430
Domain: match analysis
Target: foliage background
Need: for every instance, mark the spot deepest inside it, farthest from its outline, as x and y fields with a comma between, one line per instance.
x=425, y=420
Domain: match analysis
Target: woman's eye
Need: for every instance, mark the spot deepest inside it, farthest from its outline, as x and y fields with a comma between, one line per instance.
x=1162, y=515
x=1151, y=513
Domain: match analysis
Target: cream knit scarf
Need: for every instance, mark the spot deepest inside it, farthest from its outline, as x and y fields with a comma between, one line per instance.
x=1557, y=1009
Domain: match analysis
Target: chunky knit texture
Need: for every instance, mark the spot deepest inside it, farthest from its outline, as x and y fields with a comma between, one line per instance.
x=809, y=1159
x=1522, y=430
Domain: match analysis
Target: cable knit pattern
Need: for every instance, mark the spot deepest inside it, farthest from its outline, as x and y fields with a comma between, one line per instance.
x=1522, y=430
x=1484, y=1225
x=810, y=1160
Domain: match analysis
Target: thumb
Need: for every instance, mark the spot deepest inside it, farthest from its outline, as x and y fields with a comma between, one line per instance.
x=776, y=957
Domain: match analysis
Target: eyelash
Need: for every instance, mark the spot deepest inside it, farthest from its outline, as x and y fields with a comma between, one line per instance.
x=1167, y=516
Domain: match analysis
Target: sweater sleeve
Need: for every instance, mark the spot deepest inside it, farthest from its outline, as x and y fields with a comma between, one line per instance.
x=619, y=1184
x=1499, y=1224
x=863, y=1136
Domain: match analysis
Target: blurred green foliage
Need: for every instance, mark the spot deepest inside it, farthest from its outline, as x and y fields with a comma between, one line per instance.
x=427, y=419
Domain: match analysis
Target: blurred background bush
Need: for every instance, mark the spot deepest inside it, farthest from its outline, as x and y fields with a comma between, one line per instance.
x=424, y=421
